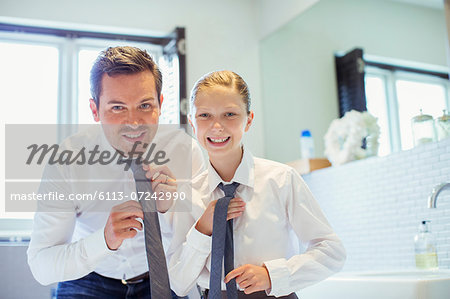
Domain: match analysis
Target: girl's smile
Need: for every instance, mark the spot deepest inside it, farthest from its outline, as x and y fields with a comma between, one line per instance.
x=215, y=141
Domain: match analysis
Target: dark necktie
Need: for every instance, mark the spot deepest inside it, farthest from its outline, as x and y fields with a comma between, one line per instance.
x=156, y=259
x=222, y=245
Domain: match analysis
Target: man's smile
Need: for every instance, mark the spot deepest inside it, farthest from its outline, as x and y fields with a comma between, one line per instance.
x=134, y=136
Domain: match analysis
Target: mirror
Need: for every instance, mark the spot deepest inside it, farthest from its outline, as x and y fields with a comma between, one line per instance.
x=298, y=69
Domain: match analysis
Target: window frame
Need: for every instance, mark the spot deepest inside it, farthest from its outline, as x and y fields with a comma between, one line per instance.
x=390, y=74
x=68, y=43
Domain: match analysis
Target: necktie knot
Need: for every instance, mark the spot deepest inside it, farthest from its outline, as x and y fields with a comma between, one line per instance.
x=134, y=165
x=229, y=189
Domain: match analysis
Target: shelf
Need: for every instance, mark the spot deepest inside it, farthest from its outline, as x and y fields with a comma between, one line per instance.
x=304, y=166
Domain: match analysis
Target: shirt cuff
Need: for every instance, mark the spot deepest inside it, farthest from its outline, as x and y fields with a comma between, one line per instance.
x=95, y=246
x=199, y=241
x=279, y=277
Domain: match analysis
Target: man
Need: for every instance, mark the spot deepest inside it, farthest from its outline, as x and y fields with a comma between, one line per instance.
x=93, y=249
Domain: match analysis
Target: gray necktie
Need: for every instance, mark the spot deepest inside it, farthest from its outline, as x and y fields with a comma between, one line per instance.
x=156, y=259
x=222, y=245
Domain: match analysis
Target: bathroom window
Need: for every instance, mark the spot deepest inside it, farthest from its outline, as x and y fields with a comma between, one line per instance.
x=29, y=76
x=395, y=96
x=44, y=79
x=29, y=93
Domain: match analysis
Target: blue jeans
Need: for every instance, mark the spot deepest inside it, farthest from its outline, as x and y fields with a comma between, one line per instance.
x=96, y=286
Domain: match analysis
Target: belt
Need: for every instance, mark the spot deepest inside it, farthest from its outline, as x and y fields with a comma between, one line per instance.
x=241, y=294
x=136, y=279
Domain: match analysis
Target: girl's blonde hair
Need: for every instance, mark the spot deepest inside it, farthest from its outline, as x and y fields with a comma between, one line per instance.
x=222, y=78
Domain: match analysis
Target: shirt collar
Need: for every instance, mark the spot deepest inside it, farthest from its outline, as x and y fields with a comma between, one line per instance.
x=244, y=174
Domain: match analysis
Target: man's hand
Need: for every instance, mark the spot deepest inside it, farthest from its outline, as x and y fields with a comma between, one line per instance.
x=164, y=185
x=205, y=223
x=122, y=223
x=250, y=278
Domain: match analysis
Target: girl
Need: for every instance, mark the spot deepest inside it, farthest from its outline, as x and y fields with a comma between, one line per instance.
x=272, y=204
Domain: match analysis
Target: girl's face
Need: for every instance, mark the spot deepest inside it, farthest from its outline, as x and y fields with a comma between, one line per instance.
x=219, y=119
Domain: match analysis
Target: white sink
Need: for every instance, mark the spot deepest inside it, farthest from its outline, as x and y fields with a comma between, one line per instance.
x=410, y=284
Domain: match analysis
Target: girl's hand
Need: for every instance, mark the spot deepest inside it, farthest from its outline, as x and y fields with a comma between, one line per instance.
x=205, y=223
x=250, y=278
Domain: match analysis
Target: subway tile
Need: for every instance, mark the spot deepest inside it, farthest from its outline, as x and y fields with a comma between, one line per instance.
x=376, y=205
x=444, y=157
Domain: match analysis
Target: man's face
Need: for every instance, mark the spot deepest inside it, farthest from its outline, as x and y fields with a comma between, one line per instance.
x=129, y=110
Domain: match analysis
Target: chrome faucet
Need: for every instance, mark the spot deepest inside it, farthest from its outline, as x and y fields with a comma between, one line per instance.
x=434, y=194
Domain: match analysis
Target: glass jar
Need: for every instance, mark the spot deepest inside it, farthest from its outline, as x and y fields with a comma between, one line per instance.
x=423, y=129
x=443, y=126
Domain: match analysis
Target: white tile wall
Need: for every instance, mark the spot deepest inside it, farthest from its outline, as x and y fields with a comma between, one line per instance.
x=375, y=205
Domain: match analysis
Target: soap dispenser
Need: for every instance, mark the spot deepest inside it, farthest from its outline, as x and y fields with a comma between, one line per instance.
x=425, y=247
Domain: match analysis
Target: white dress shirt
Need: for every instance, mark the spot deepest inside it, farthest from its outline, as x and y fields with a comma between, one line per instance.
x=279, y=211
x=68, y=240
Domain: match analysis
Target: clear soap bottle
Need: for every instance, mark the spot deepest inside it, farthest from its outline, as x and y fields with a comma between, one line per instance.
x=423, y=129
x=425, y=247
x=443, y=126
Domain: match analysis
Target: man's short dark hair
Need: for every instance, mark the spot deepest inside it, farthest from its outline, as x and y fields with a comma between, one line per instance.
x=122, y=60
